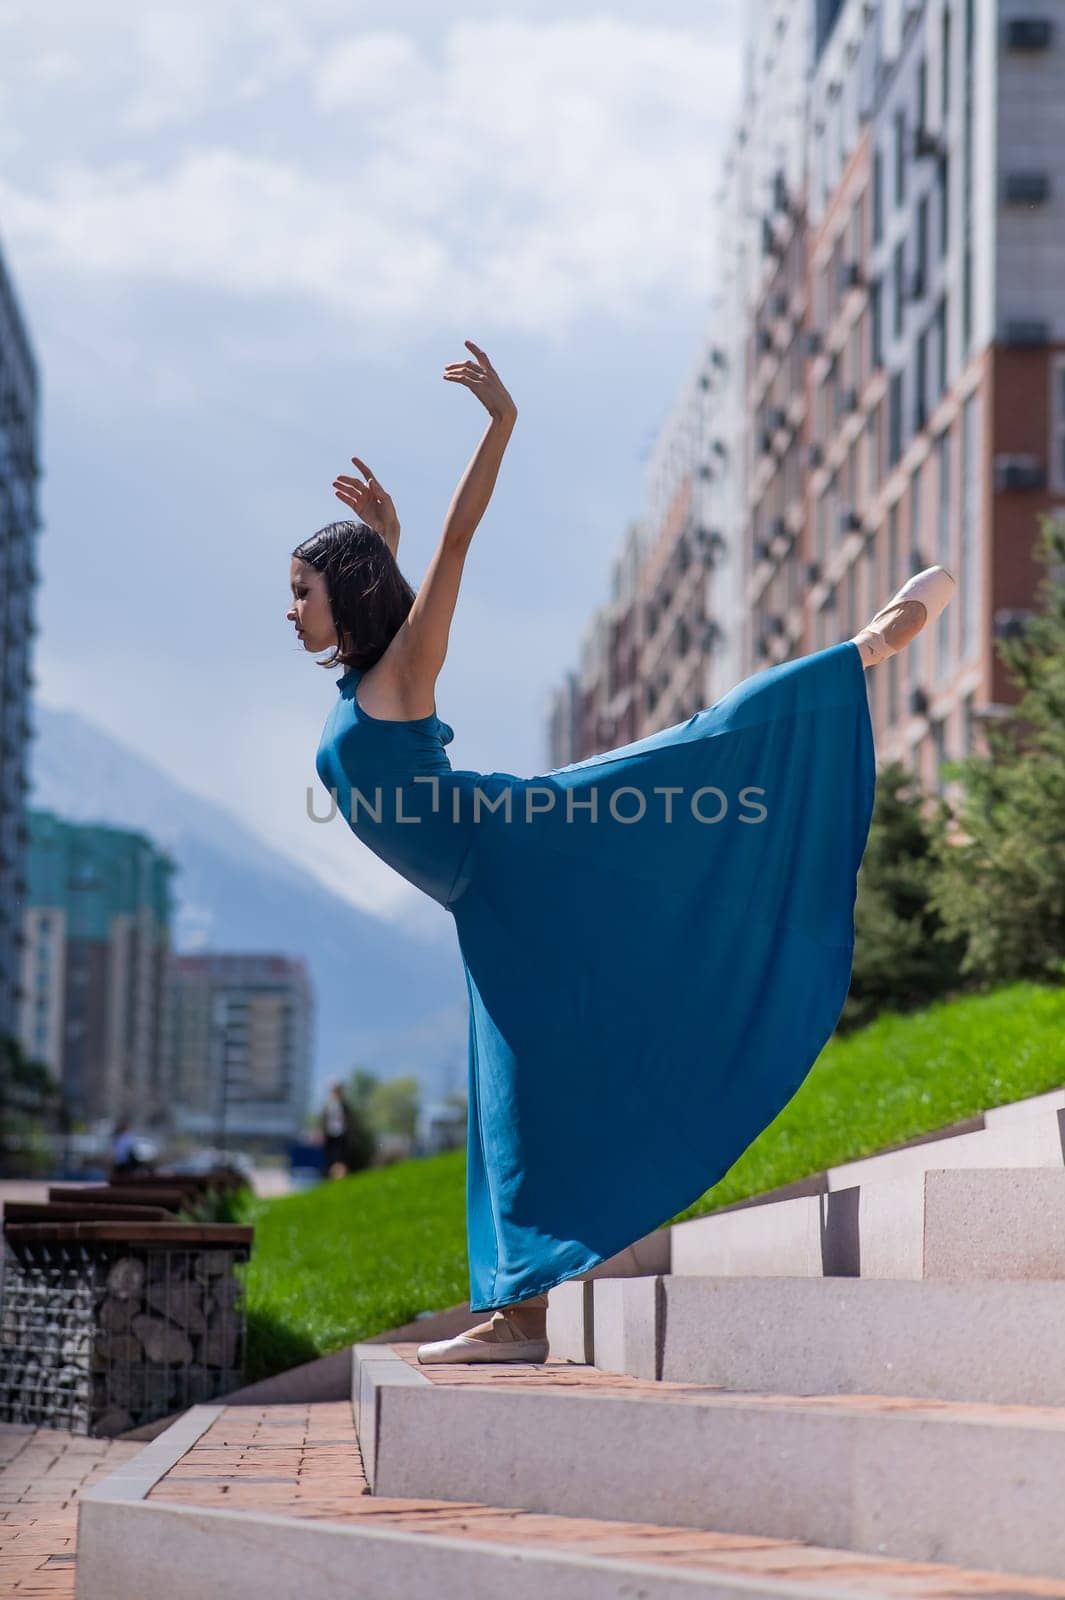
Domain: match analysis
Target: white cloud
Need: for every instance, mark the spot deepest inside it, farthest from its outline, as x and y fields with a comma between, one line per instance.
x=525, y=175
x=375, y=69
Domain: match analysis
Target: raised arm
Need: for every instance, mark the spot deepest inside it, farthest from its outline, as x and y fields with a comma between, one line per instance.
x=372, y=502
x=413, y=660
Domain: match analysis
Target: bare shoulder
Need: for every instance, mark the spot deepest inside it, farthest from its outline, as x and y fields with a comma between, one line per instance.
x=386, y=692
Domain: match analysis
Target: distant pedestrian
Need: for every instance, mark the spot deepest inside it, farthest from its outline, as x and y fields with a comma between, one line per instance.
x=336, y=1126
x=124, y=1149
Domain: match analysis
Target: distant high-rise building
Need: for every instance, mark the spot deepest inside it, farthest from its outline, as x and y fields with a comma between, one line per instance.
x=94, y=966
x=240, y=1046
x=19, y=471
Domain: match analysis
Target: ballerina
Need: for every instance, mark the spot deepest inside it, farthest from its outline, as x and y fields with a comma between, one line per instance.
x=657, y=941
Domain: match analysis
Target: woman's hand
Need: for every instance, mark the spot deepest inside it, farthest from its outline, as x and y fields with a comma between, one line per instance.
x=373, y=504
x=484, y=380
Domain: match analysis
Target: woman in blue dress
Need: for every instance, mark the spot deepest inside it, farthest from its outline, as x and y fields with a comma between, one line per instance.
x=657, y=941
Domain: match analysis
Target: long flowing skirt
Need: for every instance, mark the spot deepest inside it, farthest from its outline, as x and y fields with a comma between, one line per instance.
x=657, y=944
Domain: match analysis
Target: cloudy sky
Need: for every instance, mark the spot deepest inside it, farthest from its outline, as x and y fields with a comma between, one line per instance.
x=247, y=238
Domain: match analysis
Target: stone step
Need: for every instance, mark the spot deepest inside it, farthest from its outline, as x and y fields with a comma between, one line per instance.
x=1018, y=1135
x=910, y=1478
x=257, y=1502
x=951, y=1222
x=816, y=1228
x=998, y=1343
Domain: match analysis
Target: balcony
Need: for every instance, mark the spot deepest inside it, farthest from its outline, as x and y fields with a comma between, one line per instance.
x=1026, y=332
x=1011, y=624
x=1029, y=34
x=850, y=276
x=1019, y=472
x=927, y=144
x=1026, y=188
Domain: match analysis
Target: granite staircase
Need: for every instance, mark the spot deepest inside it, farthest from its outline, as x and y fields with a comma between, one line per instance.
x=852, y=1387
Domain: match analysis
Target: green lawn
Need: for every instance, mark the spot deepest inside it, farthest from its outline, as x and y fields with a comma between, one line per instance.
x=348, y=1259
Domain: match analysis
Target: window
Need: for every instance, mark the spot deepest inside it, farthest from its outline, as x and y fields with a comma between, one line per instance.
x=942, y=348
x=900, y=157
x=920, y=387
x=895, y=419
x=894, y=578
x=970, y=510
x=943, y=201
x=944, y=65
x=969, y=723
x=851, y=622
x=900, y=287
x=939, y=743
x=943, y=556
x=876, y=325
x=873, y=458
x=967, y=179
x=852, y=475
x=1057, y=426
x=922, y=93
x=915, y=651
x=878, y=195
x=921, y=264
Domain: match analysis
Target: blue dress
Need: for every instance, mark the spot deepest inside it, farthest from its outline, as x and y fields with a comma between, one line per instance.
x=657, y=944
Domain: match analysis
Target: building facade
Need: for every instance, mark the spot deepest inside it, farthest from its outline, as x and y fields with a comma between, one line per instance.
x=240, y=1047
x=95, y=956
x=19, y=525
x=884, y=384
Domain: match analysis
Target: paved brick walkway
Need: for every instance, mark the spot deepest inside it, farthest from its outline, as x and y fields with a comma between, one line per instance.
x=304, y=1461
x=42, y=1472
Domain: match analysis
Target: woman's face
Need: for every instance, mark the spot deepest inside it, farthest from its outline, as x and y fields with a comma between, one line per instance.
x=310, y=610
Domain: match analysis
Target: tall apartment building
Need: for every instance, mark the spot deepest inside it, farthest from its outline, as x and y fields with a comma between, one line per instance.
x=889, y=335
x=240, y=1046
x=19, y=524
x=935, y=389
x=94, y=966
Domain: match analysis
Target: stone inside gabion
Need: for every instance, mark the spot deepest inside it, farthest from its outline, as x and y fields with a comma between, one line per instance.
x=101, y=1339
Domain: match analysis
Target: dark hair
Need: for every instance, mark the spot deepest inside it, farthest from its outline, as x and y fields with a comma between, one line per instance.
x=368, y=595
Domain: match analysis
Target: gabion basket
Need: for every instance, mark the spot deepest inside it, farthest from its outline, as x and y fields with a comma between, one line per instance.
x=99, y=1335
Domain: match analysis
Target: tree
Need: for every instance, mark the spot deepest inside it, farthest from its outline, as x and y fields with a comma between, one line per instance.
x=898, y=958
x=1000, y=883
x=394, y=1107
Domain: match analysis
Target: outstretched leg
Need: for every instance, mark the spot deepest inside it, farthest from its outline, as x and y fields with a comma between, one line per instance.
x=918, y=602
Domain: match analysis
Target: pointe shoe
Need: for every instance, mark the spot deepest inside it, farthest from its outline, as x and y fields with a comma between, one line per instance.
x=501, y=1338
x=917, y=603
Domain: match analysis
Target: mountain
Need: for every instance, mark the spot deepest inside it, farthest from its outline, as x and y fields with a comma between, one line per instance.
x=385, y=998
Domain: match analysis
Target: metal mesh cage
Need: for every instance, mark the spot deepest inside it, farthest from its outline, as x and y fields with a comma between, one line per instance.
x=101, y=1336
